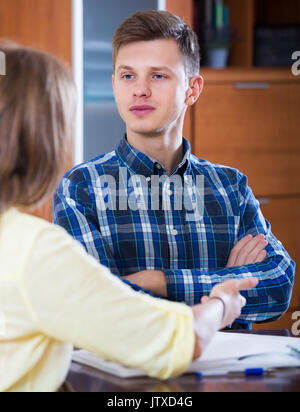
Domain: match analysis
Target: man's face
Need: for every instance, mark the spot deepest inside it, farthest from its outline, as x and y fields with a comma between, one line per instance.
x=150, y=86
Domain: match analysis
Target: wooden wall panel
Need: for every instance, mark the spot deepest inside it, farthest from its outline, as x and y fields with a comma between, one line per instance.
x=182, y=8
x=43, y=24
x=284, y=216
x=255, y=131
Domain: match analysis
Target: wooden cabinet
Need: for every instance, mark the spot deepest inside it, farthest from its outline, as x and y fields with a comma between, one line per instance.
x=252, y=123
x=249, y=119
x=284, y=215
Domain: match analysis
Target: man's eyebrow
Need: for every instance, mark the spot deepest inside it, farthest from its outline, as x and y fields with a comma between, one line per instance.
x=162, y=68
x=124, y=68
x=154, y=69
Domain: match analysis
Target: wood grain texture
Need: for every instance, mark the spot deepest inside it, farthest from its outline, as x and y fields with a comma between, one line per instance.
x=255, y=131
x=242, y=20
x=257, y=74
x=44, y=24
x=182, y=8
x=284, y=216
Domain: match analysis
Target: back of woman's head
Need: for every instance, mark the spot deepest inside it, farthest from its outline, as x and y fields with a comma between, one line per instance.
x=37, y=106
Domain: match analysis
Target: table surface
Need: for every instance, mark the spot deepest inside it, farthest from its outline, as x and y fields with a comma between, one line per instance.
x=86, y=379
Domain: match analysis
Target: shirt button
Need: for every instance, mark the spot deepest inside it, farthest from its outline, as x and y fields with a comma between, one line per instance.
x=174, y=232
x=169, y=192
x=148, y=179
x=158, y=166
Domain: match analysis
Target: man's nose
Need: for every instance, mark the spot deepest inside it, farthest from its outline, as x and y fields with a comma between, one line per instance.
x=142, y=89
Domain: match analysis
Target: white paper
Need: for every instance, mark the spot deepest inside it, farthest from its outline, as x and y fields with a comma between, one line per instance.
x=221, y=356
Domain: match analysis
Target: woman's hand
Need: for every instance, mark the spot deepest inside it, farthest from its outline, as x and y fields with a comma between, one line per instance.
x=229, y=292
x=213, y=315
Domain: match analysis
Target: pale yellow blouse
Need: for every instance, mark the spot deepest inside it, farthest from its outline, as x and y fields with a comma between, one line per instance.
x=53, y=296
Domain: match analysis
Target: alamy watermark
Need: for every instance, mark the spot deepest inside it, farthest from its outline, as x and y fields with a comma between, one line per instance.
x=2, y=64
x=140, y=193
x=296, y=65
x=296, y=325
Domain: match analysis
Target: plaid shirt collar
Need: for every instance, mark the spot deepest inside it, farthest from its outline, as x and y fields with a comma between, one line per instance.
x=143, y=165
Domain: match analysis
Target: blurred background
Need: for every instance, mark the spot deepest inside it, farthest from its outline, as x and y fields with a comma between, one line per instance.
x=247, y=117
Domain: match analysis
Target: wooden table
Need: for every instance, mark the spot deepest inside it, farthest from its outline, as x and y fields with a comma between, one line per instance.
x=86, y=379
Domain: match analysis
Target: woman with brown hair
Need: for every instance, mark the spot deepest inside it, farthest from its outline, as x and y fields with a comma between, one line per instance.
x=52, y=294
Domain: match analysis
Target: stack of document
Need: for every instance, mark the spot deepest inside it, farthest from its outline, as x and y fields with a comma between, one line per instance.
x=228, y=352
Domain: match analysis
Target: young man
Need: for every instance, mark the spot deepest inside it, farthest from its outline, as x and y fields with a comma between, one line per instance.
x=166, y=222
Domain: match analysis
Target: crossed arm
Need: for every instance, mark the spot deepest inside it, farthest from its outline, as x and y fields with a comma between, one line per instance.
x=261, y=256
x=249, y=250
x=267, y=302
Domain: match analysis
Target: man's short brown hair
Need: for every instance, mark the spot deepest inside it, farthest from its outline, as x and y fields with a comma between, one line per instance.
x=37, y=105
x=156, y=25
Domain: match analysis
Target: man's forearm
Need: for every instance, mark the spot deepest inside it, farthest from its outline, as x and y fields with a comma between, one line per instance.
x=152, y=280
x=268, y=300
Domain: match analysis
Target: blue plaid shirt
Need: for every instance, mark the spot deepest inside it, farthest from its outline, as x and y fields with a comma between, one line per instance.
x=192, y=252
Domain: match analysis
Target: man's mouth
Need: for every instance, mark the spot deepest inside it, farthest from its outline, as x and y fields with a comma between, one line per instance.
x=142, y=110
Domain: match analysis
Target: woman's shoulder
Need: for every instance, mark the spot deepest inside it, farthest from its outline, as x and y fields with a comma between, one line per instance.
x=24, y=225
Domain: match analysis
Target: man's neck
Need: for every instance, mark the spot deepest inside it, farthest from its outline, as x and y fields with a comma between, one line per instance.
x=167, y=149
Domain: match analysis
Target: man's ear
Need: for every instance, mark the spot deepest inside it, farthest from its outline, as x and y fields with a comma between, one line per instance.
x=196, y=84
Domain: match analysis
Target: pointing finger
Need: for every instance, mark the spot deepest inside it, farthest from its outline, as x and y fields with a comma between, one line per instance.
x=246, y=284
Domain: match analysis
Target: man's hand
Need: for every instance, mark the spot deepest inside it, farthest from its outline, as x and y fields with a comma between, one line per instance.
x=153, y=280
x=248, y=250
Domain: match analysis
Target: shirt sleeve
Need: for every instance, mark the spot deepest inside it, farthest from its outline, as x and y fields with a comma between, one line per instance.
x=73, y=299
x=271, y=298
x=74, y=210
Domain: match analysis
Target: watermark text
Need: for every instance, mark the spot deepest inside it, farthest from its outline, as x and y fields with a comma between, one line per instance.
x=2, y=64
x=296, y=325
x=138, y=193
x=296, y=65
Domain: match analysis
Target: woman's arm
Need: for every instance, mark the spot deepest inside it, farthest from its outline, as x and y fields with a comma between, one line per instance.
x=71, y=298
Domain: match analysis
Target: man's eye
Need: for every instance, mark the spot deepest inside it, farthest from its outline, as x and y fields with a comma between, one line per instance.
x=127, y=76
x=159, y=76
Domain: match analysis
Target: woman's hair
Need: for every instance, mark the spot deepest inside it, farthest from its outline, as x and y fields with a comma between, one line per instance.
x=37, y=110
x=155, y=25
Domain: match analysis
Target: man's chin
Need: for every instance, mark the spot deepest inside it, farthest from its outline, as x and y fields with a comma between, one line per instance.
x=148, y=132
